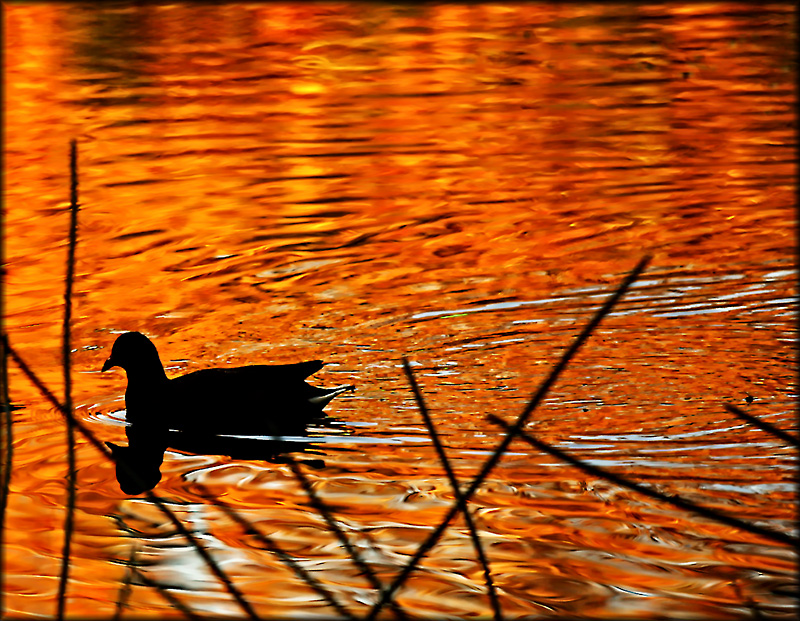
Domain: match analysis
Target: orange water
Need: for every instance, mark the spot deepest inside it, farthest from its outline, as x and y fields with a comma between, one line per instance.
x=462, y=185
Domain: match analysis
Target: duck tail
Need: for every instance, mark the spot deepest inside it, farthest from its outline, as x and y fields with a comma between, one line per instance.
x=329, y=393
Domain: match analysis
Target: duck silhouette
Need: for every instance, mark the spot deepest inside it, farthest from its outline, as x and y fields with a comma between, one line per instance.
x=199, y=407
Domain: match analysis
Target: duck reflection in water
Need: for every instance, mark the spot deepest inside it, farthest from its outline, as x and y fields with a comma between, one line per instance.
x=200, y=411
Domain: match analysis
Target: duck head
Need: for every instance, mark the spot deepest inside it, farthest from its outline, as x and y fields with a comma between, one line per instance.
x=134, y=352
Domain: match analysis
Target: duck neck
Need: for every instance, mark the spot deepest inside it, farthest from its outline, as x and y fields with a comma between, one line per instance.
x=149, y=375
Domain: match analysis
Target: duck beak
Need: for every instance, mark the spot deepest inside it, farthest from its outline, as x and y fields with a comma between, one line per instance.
x=108, y=364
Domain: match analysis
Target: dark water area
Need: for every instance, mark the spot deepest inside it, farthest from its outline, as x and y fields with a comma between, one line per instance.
x=464, y=185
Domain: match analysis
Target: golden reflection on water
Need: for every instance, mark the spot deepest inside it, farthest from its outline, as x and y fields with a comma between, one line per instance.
x=459, y=184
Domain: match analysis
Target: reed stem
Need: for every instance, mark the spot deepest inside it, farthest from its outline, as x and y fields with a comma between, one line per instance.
x=461, y=502
x=317, y=503
x=67, y=367
x=6, y=433
x=451, y=476
x=763, y=425
x=125, y=589
x=273, y=547
x=174, y=601
x=7, y=448
x=675, y=501
x=86, y=432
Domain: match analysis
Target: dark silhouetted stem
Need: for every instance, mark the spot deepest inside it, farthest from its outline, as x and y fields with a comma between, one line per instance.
x=125, y=589
x=7, y=449
x=67, y=366
x=317, y=503
x=675, y=501
x=437, y=533
x=763, y=425
x=212, y=564
x=165, y=594
x=273, y=547
x=6, y=433
x=437, y=443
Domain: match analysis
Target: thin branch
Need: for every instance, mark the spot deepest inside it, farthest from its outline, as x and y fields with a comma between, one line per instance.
x=675, y=501
x=273, y=547
x=763, y=425
x=437, y=443
x=66, y=360
x=317, y=503
x=434, y=537
x=212, y=564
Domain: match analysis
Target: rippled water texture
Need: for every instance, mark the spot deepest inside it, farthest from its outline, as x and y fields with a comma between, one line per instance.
x=463, y=185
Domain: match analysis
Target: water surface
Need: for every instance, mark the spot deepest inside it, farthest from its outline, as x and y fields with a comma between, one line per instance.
x=461, y=185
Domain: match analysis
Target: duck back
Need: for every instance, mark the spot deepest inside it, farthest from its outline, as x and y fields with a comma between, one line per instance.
x=251, y=400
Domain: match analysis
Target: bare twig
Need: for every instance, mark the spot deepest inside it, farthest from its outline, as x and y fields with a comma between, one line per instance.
x=437, y=443
x=763, y=425
x=273, y=547
x=86, y=432
x=67, y=366
x=676, y=501
x=317, y=503
x=434, y=537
